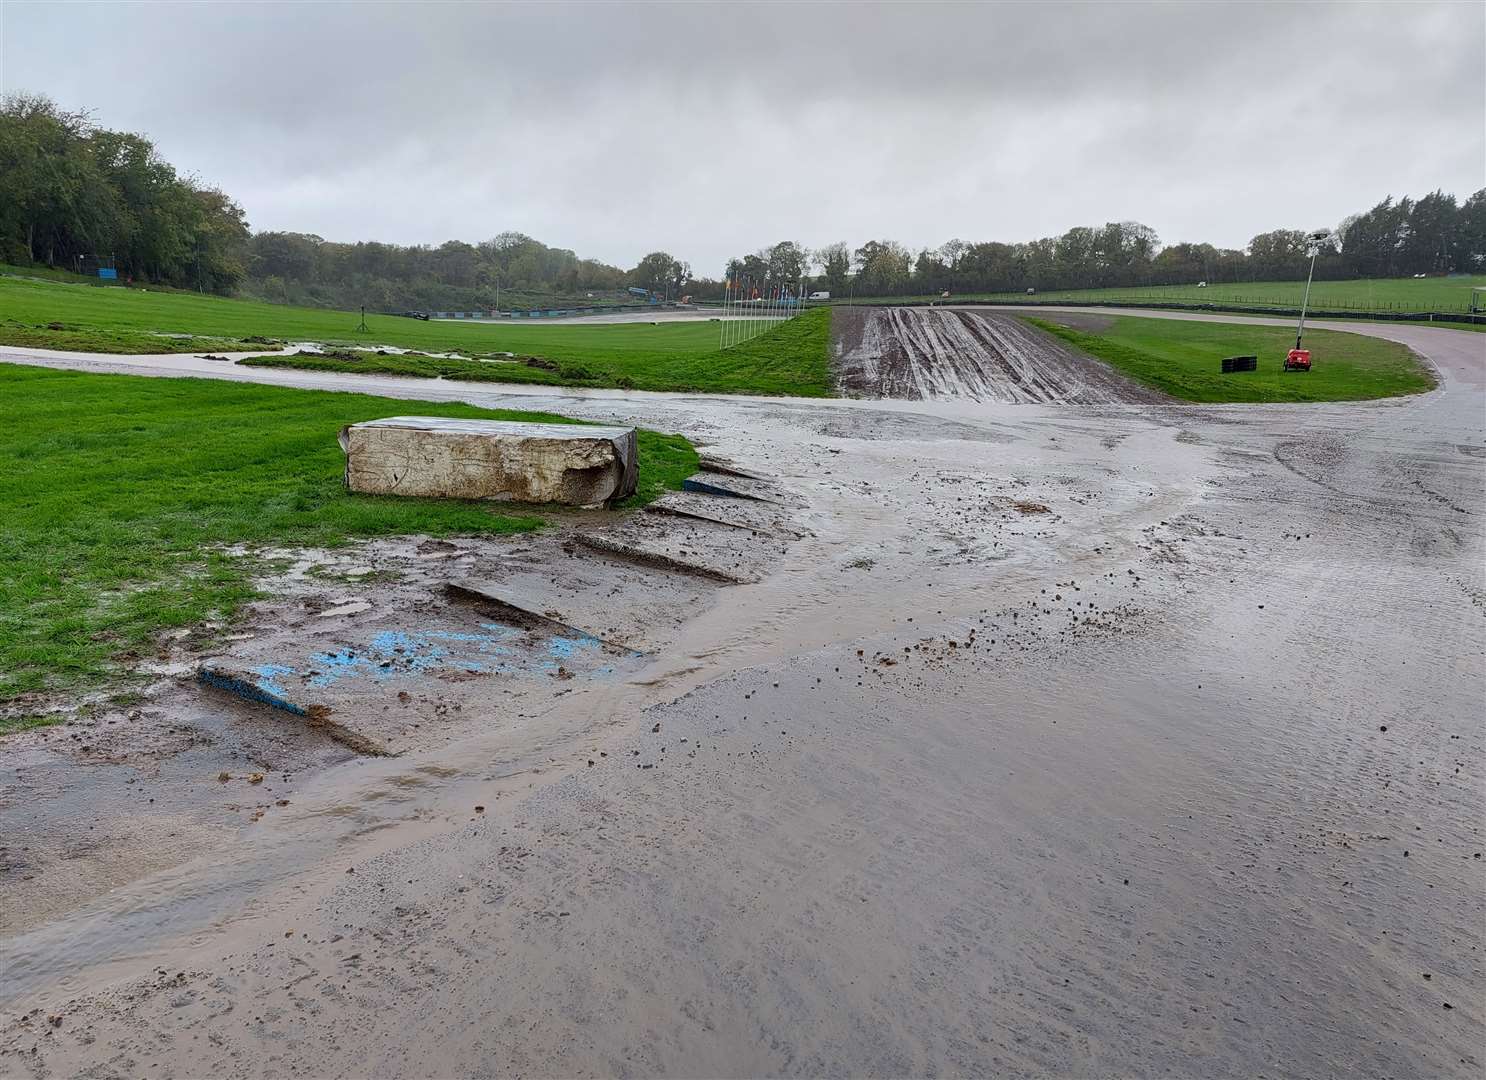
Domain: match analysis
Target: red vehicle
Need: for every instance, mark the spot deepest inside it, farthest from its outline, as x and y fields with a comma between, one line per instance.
x=1298, y=360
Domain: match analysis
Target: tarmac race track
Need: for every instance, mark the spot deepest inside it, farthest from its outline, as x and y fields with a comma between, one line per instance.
x=1103, y=740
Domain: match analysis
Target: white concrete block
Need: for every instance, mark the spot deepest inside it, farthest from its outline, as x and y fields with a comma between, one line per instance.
x=443, y=457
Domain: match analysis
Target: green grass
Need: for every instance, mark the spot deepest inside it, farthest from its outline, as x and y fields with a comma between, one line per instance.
x=1182, y=358
x=118, y=494
x=1382, y=295
x=791, y=359
x=25, y=722
x=79, y=339
x=50, y=273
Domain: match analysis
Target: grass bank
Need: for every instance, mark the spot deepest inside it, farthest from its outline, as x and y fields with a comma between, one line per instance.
x=117, y=494
x=1182, y=357
x=1365, y=295
x=791, y=359
x=127, y=342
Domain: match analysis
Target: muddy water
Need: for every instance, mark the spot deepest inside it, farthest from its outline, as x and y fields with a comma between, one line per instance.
x=963, y=786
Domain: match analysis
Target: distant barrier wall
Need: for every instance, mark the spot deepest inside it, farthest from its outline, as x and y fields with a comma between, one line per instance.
x=1470, y=318
x=547, y=313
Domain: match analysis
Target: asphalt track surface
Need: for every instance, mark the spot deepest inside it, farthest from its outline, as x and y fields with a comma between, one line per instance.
x=1183, y=776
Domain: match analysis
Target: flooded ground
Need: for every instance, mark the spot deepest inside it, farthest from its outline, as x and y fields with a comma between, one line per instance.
x=1076, y=740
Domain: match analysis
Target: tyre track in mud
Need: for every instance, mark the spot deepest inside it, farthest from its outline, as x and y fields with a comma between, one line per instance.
x=930, y=353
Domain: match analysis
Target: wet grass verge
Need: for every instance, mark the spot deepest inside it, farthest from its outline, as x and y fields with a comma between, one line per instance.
x=124, y=342
x=119, y=494
x=791, y=359
x=1182, y=359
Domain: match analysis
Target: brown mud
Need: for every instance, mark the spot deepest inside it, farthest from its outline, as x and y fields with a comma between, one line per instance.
x=1185, y=774
x=919, y=353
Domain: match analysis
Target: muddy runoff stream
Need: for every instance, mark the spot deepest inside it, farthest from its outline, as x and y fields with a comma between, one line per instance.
x=1115, y=739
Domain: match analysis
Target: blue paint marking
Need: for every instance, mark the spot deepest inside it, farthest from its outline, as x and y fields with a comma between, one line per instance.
x=564, y=648
x=394, y=654
x=268, y=677
x=397, y=654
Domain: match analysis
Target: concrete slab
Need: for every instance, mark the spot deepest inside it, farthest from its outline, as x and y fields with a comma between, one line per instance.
x=619, y=601
x=724, y=486
x=516, y=607
x=703, y=549
x=368, y=685
x=444, y=457
x=261, y=684
x=725, y=467
x=749, y=514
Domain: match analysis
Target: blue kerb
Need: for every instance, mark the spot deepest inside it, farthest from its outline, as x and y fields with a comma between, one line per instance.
x=701, y=487
x=252, y=691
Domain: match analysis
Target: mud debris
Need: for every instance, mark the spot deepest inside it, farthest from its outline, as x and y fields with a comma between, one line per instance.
x=954, y=823
x=926, y=353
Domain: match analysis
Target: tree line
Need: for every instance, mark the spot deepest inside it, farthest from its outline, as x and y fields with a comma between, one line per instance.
x=73, y=193
x=1434, y=234
x=296, y=268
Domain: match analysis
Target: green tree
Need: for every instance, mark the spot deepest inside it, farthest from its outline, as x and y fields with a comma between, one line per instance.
x=786, y=263
x=884, y=268
x=660, y=272
x=835, y=263
x=1468, y=247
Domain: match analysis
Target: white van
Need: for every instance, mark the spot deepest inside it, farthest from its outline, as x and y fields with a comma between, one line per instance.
x=820, y=296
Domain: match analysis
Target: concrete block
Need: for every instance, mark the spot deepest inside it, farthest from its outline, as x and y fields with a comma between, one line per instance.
x=444, y=457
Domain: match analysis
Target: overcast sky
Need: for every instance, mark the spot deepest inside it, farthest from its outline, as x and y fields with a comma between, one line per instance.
x=616, y=129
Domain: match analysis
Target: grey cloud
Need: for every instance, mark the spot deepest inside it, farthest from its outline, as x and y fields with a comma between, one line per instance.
x=711, y=129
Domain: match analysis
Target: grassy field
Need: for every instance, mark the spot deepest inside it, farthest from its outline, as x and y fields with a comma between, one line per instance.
x=49, y=273
x=78, y=339
x=670, y=356
x=791, y=359
x=117, y=494
x=511, y=299
x=1181, y=358
x=1391, y=294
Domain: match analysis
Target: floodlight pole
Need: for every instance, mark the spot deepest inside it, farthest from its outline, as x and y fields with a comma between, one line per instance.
x=1314, y=240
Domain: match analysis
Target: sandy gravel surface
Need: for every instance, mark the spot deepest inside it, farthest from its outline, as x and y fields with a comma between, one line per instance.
x=1107, y=740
